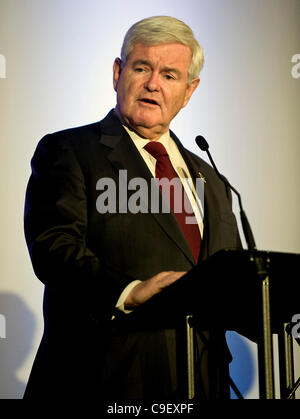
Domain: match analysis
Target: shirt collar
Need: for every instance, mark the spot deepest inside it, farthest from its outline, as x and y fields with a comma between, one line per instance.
x=139, y=141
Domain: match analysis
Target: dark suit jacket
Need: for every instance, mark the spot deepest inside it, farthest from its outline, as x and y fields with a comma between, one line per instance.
x=85, y=259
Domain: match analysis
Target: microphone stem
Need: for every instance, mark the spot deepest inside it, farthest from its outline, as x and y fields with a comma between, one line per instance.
x=244, y=220
x=219, y=174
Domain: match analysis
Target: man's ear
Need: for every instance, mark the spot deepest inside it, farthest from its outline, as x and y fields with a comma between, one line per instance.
x=117, y=69
x=190, y=90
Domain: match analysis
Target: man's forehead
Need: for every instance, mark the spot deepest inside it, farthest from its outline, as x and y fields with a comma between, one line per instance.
x=168, y=52
x=162, y=46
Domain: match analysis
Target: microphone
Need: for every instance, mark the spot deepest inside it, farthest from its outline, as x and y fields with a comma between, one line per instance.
x=203, y=145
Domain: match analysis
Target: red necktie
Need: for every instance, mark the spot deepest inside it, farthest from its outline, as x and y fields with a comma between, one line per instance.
x=164, y=169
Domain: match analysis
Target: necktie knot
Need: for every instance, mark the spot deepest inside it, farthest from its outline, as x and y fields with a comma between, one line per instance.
x=156, y=149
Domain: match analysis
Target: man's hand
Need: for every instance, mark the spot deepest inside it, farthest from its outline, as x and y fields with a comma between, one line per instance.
x=147, y=289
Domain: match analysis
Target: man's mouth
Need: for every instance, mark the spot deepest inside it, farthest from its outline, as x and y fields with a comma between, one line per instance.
x=149, y=101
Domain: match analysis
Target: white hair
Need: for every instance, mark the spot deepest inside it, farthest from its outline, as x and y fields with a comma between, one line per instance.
x=158, y=30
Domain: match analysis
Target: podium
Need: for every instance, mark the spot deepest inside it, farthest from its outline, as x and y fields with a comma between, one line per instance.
x=254, y=293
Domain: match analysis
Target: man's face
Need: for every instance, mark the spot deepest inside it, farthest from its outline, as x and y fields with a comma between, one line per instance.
x=152, y=86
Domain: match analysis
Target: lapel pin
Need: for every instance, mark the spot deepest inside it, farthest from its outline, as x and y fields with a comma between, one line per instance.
x=200, y=175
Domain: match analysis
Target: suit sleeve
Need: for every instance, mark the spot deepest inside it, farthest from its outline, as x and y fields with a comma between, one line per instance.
x=56, y=223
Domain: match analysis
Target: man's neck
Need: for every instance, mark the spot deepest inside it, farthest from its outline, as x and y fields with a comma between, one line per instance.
x=147, y=133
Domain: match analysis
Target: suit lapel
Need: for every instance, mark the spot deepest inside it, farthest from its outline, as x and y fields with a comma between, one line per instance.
x=125, y=156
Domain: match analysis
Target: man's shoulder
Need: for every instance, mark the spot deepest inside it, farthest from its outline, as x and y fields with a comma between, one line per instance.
x=79, y=135
x=194, y=159
x=73, y=134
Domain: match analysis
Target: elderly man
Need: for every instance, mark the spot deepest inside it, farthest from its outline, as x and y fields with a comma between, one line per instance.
x=97, y=264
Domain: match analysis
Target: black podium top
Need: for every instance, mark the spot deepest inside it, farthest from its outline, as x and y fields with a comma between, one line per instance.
x=224, y=292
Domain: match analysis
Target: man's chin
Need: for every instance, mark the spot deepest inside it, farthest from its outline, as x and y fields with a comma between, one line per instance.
x=146, y=122
x=148, y=129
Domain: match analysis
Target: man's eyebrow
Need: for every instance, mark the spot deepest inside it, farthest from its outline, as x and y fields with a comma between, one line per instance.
x=148, y=63
x=142, y=62
x=172, y=70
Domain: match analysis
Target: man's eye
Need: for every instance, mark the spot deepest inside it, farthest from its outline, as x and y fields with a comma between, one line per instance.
x=169, y=77
x=139, y=70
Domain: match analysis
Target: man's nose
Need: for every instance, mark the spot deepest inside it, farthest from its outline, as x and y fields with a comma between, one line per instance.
x=152, y=82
